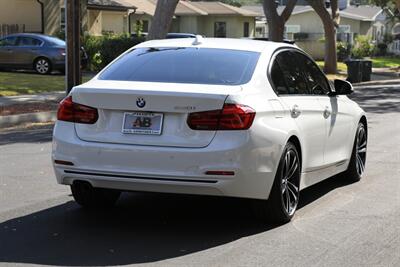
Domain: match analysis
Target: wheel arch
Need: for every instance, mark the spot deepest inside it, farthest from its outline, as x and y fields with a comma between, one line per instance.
x=296, y=141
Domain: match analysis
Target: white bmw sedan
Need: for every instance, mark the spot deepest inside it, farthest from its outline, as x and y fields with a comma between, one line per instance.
x=224, y=117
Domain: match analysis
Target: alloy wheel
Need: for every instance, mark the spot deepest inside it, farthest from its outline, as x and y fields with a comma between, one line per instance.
x=361, y=149
x=42, y=66
x=290, y=182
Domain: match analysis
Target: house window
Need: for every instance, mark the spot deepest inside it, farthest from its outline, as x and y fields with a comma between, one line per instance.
x=145, y=25
x=62, y=23
x=344, y=29
x=246, y=29
x=220, y=29
x=292, y=28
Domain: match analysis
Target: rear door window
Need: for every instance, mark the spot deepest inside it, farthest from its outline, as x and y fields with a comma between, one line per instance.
x=278, y=80
x=28, y=41
x=292, y=73
x=184, y=65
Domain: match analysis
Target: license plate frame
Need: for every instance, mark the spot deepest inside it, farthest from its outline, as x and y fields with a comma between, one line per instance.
x=132, y=117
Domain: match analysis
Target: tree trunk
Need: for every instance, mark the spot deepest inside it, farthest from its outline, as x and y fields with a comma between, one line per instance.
x=398, y=4
x=276, y=29
x=330, y=65
x=276, y=22
x=162, y=19
x=329, y=22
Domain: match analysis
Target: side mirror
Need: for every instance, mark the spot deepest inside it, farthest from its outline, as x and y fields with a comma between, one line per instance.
x=342, y=87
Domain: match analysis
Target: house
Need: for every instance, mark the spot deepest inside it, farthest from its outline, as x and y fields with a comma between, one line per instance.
x=305, y=26
x=48, y=16
x=213, y=19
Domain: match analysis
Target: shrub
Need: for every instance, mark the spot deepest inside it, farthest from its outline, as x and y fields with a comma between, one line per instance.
x=60, y=34
x=381, y=49
x=362, y=47
x=102, y=50
x=343, y=51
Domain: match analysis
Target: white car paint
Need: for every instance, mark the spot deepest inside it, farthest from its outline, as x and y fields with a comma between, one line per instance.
x=177, y=160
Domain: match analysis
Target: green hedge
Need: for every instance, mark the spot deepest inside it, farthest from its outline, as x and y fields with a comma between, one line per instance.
x=102, y=50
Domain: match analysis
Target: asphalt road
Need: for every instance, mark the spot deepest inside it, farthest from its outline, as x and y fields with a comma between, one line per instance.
x=338, y=224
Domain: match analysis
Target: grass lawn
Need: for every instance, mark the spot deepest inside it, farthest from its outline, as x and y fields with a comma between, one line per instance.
x=19, y=83
x=377, y=62
x=385, y=62
x=341, y=66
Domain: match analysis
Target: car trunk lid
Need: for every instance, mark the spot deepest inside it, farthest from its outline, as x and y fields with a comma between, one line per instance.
x=119, y=103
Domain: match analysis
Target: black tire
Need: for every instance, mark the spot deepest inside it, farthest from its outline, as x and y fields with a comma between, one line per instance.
x=94, y=198
x=42, y=66
x=356, y=167
x=277, y=209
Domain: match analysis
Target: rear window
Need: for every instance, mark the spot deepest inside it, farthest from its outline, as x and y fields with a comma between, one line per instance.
x=184, y=65
x=55, y=41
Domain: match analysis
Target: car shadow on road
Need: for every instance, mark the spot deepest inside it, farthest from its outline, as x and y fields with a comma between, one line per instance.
x=378, y=100
x=142, y=228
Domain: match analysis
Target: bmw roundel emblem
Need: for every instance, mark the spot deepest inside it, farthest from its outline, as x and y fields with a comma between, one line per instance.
x=140, y=102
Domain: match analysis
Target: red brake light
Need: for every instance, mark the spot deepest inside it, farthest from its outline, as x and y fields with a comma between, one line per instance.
x=231, y=117
x=74, y=112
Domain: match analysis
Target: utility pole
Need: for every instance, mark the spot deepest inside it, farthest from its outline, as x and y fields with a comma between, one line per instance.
x=73, y=38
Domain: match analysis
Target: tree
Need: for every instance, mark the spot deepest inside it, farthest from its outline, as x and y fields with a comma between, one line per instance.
x=386, y=3
x=162, y=19
x=276, y=22
x=330, y=22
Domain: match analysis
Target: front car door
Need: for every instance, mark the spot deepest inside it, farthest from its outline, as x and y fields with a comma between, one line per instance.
x=7, y=47
x=338, y=120
x=305, y=109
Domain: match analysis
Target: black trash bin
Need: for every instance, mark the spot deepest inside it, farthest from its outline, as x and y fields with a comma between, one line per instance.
x=366, y=70
x=354, y=70
x=359, y=70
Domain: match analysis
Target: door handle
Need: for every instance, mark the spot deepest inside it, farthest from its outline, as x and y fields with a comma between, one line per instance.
x=295, y=111
x=327, y=112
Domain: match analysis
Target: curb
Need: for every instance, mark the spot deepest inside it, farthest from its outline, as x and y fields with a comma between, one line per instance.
x=13, y=120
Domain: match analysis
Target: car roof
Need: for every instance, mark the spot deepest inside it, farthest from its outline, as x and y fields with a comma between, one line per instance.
x=221, y=43
x=27, y=34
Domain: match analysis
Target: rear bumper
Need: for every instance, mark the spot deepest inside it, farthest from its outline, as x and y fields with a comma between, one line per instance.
x=168, y=169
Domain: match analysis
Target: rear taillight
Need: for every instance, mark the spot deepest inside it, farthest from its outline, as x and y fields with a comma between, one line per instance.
x=62, y=52
x=231, y=117
x=74, y=112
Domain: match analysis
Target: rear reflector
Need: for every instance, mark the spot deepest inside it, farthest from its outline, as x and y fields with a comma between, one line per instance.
x=74, y=112
x=231, y=117
x=226, y=173
x=63, y=162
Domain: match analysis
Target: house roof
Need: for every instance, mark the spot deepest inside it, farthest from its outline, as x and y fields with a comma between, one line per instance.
x=116, y=5
x=193, y=8
x=363, y=12
x=367, y=13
